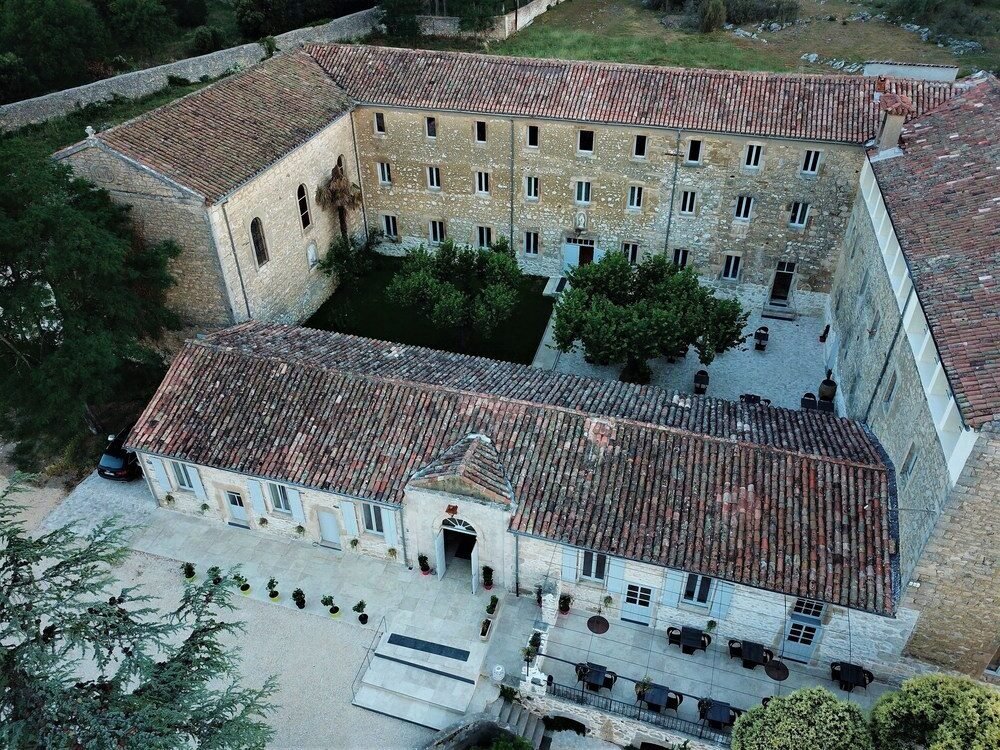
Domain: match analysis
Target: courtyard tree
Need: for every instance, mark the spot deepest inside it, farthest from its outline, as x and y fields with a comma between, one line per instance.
x=82, y=294
x=808, y=718
x=625, y=314
x=84, y=666
x=467, y=291
x=938, y=712
x=338, y=193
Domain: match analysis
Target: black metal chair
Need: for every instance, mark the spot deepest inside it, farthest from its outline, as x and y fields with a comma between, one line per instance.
x=736, y=649
x=581, y=672
x=674, y=701
x=768, y=655
x=749, y=398
x=766, y=700
x=674, y=636
x=808, y=401
x=760, y=337
x=700, y=382
x=869, y=679
x=610, y=678
x=835, y=671
x=706, y=640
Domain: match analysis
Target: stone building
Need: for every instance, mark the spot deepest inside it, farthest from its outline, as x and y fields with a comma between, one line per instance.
x=748, y=177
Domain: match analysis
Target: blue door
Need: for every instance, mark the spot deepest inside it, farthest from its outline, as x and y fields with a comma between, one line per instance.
x=801, y=636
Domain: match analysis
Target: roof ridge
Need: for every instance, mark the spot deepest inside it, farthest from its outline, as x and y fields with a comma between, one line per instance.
x=496, y=398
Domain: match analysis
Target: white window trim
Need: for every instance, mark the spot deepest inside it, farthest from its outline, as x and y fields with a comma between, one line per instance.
x=373, y=509
x=694, y=603
x=180, y=468
x=432, y=169
x=635, y=197
x=282, y=491
x=430, y=231
x=694, y=203
x=527, y=192
x=589, y=191
x=482, y=229
x=593, y=142
x=748, y=205
x=375, y=118
x=427, y=122
x=760, y=157
x=475, y=132
x=591, y=578
x=739, y=266
x=385, y=223
x=818, y=162
x=482, y=178
x=635, y=142
x=538, y=241
x=384, y=173
x=527, y=137
x=792, y=219
x=685, y=255
x=626, y=249
x=701, y=151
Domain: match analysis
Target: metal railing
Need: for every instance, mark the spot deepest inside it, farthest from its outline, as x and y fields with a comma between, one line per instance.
x=637, y=712
x=379, y=631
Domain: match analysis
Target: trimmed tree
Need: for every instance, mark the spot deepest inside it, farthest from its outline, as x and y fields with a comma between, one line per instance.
x=938, y=712
x=711, y=15
x=83, y=667
x=809, y=718
x=625, y=314
x=467, y=291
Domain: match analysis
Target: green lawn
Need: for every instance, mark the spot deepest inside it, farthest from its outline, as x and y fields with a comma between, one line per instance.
x=364, y=310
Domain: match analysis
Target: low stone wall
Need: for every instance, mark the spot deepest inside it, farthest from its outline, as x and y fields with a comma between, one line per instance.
x=502, y=27
x=141, y=83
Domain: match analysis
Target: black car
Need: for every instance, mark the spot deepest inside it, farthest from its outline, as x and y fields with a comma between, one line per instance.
x=117, y=463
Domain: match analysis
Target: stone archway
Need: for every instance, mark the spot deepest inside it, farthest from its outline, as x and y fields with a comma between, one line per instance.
x=456, y=548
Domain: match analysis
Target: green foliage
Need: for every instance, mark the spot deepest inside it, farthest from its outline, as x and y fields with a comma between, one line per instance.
x=189, y=13
x=510, y=742
x=711, y=15
x=808, y=718
x=630, y=314
x=16, y=81
x=205, y=39
x=82, y=297
x=938, y=712
x=755, y=11
x=140, y=24
x=962, y=18
x=465, y=290
x=348, y=259
x=400, y=17
x=81, y=667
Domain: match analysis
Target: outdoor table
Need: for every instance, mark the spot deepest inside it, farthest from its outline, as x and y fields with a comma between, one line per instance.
x=852, y=676
x=753, y=655
x=656, y=698
x=595, y=676
x=718, y=713
x=692, y=640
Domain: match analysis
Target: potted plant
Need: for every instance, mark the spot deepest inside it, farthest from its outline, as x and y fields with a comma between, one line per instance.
x=642, y=687
x=360, y=609
x=188, y=569
x=484, y=629
x=391, y=552
x=425, y=568
x=528, y=653
x=168, y=500
x=564, y=601
x=299, y=598
x=535, y=641
x=300, y=530
x=242, y=583
x=487, y=577
x=608, y=601
x=712, y=624
x=204, y=508
x=327, y=601
x=354, y=543
x=538, y=595
x=215, y=573
x=262, y=522
x=491, y=608
x=272, y=590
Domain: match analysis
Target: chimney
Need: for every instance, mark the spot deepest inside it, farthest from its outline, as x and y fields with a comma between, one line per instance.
x=894, y=109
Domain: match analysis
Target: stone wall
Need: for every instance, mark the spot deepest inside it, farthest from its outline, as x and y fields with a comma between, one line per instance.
x=163, y=212
x=501, y=28
x=959, y=572
x=144, y=82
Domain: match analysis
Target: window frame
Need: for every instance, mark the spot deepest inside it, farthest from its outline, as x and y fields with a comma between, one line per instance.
x=755, y=150
x=746, y=203
x=631, y=251
x=634, y=198
x=731, y=261
x=684, y=254
x=277, y=497
x=701, y=589
x=482, y=184
x=799, y=209
x=302, y=199
x=636, y=154
x=476, y=127
x=691, y=145
x=890, y=391
x=531, y=247
x=909, y=462
x=430, y=231
x=180, y=468
x=388, y=219
x=384, y=173
x=529, y=182
x=430, y=124
x=258, y=240
x=814, y=156
x=527, y=136
x=586, y=187
x=579, y=141
x=694, y=202
x=435, y=171
x=597, y=571
x=378, y=123
x=484, y=232
x=372, y=514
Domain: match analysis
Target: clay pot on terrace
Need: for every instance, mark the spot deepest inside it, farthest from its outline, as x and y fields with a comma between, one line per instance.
x=828, y=388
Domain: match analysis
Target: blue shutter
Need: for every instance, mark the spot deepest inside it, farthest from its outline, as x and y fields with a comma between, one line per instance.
x=257, y=498
x=616, y=575
x=350, y=518
x=569, y=562
x=722, y=599
x=295, y=503
x=160, y=471
x=197, y=486
x=673, y=585
x=389, y=527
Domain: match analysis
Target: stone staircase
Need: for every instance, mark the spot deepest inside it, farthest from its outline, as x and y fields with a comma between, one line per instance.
x=517, y=719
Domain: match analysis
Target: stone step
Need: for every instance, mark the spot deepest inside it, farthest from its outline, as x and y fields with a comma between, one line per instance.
x=411, y=681
x=522, y=721
x=468, y=669
x=538, y=734
x=406, y=709
x=505, y=712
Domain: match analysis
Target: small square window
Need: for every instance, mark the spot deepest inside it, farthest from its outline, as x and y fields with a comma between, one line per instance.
x=731, y=267
x=434, y=178
x=694, y=152
x=808, y=608
x=799, y=215
x=688, y=202
x=380, y=123
x=437, y=232
x=532, y=136
x=389, y=227
x=585, y=141
x=531, y=243
x=431, y=127
x=697, y=590
x=631, y=250
x=634, y=197
x=752, y=159
x=582, y=192
x=810, y=164
x=680, y=257
x=279, y=498
x=484, y=236
x=744, y=208
x=531, y=188
x=483, y=183
x=384, y=173
x=373, y=518
x=480, y=131
x=639, y=147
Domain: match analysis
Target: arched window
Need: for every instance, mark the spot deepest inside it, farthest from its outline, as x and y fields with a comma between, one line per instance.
x=304, y=207
x=458, y=524
x=259, y=243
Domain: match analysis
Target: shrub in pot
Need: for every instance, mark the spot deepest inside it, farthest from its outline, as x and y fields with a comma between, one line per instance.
x=215, y=573
x=535, y=641
x=300, y=530
x=528, y=653
x=204, y=508
x=425, y=568
x=492, y=606
x=272, y=590
x=360, y=609
x=355, y=543
x=538, y=595
x=242, y=583
x=327, y=601
x=484, y=628
x=564, y=601
x=262, y=522
x=487, y=577
x=300, y=598
x=642, y=687
x=391, y=552
x=188, y=569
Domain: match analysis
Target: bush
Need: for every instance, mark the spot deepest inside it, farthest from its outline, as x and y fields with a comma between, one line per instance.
x=400, y=17
x=938, y=712
x=189, y=13
x=205, y=39
x=809, y=718
x=755, y=11
x=711, y=15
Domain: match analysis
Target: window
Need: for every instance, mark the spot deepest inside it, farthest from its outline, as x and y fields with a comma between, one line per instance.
x=810, y=165
x=744, y=205
x=994, y=665
x=480, y=131
x=373, y=518
x=279, y=498
x=380, y=123
x=864, y=285
x=640, y=596
x=389, y=227
x=631, y=250
x=431, y=127
x=259, y=243
x=694, y=152
x=890, y=391
x=182, y=476
x=532, y=136
x=635, y=197
x=531, y=188
x=697, y=589
x=876, y=322
x=808, y=608
x=731, y=268
x=801, y=633
x=585, y=141
x=799, y=215
x=484, y=236
x=384, y=173
x=582, y=192
x=687, y=202
x=639, y=147
x=483, y=182
x=437, y=232
x=303, y=200
x=434, y=178
x=680, y=257
x=908, y=462
x=594, y=566
x=752, y=159
x=531, y=243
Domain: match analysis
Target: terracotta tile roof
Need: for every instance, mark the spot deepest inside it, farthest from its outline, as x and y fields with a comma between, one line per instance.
x=218, y=137
x=800, y=503
x=943, y=195
x=471, y=467
x=811, y=107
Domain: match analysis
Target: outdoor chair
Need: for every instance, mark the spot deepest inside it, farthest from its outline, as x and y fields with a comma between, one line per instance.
x=768, y=655
x=808, y=401
x=869, y=679
x=736, y=649
x=674, y=701
x=835, y=671
x=700, y=382
x=760, y=337
x=706, y=640
x=764, y=701
x=610, y=678
x=581, y=672
x=674, y=636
